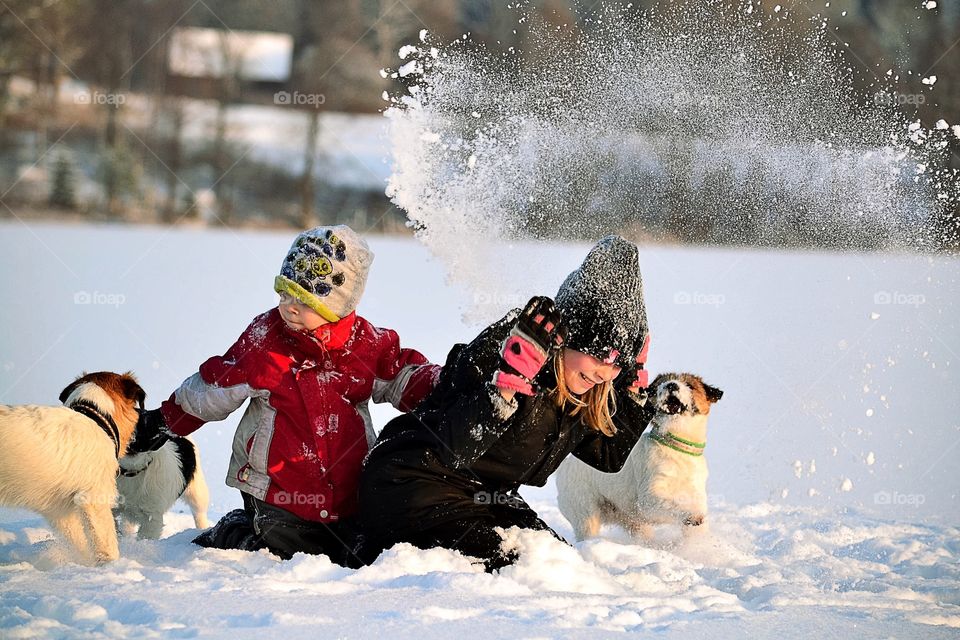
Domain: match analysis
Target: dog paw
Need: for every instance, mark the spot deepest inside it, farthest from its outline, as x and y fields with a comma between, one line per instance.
x=694, y=520
x=106, y=557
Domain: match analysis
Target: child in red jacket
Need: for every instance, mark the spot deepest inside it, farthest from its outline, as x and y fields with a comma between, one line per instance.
x=309, y=368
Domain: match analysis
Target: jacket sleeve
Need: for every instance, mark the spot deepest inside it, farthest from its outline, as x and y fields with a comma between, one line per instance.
x=609, y=453
x=217, y=389
x=404, y=377
x=471, y=414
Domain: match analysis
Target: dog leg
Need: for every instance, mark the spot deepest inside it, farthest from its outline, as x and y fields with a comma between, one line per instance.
x=124, y=522
x=642, y=531
x=102, y=530
x=151, y=526
x=129, y=527
x=693, y=519
x=127, y=521
x=70, y=525
x=587, y=527
x=197, y=497
x=695, y=526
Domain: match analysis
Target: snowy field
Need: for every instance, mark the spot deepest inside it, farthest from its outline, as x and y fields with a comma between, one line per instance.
x=834, y=504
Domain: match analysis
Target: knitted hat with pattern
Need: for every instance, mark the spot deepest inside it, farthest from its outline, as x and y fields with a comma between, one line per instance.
x=326, y=269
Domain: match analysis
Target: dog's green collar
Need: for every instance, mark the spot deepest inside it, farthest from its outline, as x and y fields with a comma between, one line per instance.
x=679, y=444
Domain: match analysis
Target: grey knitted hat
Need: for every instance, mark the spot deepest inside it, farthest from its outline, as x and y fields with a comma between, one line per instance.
x=602, y=303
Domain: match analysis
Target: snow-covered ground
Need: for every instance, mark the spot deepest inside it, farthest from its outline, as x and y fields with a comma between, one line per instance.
x=834, y=490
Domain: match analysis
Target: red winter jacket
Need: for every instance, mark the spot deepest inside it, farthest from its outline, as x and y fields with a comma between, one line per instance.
x=302, y=440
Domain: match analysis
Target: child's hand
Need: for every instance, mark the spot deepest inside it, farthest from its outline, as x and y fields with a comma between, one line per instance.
x=637, y=379
x=539, y=329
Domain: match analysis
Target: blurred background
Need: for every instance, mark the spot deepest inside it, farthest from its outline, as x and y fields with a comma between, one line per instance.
x=267, y=114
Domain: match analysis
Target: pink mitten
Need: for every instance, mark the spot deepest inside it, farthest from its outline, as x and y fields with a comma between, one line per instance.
x=538, y=330
x=642, y=379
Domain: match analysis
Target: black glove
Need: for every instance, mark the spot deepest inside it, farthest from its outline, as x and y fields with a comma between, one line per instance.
x=541, y=321
x=634, y=380
x=152, y=433
x=539, y=330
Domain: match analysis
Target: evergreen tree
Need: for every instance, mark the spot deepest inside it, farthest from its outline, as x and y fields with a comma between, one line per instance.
x=63, y=182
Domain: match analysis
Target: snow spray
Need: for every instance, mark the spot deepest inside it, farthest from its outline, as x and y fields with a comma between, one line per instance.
x=691, y=122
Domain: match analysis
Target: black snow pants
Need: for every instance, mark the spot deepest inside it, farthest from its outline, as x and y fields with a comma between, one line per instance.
x=475, y=535
x=263, y=526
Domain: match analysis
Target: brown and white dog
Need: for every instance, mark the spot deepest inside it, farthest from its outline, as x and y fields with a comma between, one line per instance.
x=664, y=479
x=62, y=461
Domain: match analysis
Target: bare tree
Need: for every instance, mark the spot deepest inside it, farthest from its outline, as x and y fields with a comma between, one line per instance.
x=108, y=59
x=15, y=50
x=325, y=80
x=36, y=41
x=165, y=133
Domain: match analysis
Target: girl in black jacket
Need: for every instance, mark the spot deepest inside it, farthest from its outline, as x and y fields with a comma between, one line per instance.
x=509, y=407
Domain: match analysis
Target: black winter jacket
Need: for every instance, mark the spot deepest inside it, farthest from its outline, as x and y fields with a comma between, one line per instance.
x=465, y=448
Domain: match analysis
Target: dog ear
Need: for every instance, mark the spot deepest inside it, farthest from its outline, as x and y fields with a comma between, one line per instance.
x=713, y=394
x=656, y=381
x=70, y=387
x=133, y=390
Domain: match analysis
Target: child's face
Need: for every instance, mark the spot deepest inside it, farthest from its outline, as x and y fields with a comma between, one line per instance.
x=582, y=372
x=297, y=315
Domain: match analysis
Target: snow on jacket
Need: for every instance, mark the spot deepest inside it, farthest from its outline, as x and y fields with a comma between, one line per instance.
x=302, y=440
x=465, y=448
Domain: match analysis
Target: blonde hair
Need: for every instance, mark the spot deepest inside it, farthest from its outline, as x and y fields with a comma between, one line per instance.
x=598, y=404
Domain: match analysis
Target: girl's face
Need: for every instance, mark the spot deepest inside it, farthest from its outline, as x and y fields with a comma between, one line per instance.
x=581, y=372
x=297, y=315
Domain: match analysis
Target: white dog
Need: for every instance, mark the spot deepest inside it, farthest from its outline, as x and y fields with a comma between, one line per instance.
x=151, y=482
x=63, y=461
x=664, y=479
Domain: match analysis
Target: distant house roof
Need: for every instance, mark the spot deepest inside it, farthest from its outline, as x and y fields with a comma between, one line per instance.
x=258, y=56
